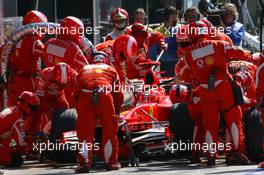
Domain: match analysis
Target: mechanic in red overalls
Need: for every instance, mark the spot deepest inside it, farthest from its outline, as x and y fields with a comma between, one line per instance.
x=260, y=83
x=182, y=93
x=96, y=97
x=50, y=89
x=245, y=73
x=13, y=129
x=145, y=41
x=25, y=62
x=65, y=47
x=260, y=89
x=207, y=59
x=119, y=50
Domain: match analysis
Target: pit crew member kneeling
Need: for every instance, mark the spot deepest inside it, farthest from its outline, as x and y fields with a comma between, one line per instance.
x=12, y=131
x=50, y=89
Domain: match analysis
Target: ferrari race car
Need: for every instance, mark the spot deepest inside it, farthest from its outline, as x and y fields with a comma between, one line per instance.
x=143, y=126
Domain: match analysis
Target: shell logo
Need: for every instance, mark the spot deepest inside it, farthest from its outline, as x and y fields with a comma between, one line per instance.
x=209, y=60
x=151, y=112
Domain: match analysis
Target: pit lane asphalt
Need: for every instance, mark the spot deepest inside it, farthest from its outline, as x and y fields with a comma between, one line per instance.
x=166, y=166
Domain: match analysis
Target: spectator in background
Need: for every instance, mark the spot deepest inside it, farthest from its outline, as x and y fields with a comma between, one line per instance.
x=169, y=57
x=139, y=16
x=192, y=14
x=233, y=29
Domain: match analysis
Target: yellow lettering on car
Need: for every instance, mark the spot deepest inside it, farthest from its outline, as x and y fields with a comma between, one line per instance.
x=151, y=112
x=98, y=70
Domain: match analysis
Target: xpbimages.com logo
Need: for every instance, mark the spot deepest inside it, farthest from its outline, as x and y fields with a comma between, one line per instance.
x=182, y=146
x=141, y=88
x=50, y=30
x=58, y=146
x=173, y=31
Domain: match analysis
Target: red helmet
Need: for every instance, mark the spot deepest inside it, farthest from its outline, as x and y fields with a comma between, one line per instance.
x=34, y=16
x=62, y=74
x=197, y=30
x=179, y=93
x=119, y=18
x=100, y=57
x=27, y=102
x=139, y=32
x=29, y=97
x=124, y=47
x=245, y=79
x=71, y=28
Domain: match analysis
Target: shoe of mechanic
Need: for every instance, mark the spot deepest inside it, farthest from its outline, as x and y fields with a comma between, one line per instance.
x=211, y=161
x=82, y=169
x=237, y=159
x=195, y=159
x=113, y=166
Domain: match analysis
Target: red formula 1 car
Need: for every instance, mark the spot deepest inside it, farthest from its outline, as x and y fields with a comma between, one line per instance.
x=143, y=125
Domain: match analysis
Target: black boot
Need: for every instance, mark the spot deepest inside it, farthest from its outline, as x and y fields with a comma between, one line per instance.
x=195, y=159
x=237, y=159
x=211, y=161
x=82, y=169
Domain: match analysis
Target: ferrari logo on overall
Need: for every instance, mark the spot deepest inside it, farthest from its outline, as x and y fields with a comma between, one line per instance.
x=200, y=63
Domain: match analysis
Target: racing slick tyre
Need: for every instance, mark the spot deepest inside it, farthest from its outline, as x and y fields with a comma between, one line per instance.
x=63, y=120
x=181, y=123
x=254, y=134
